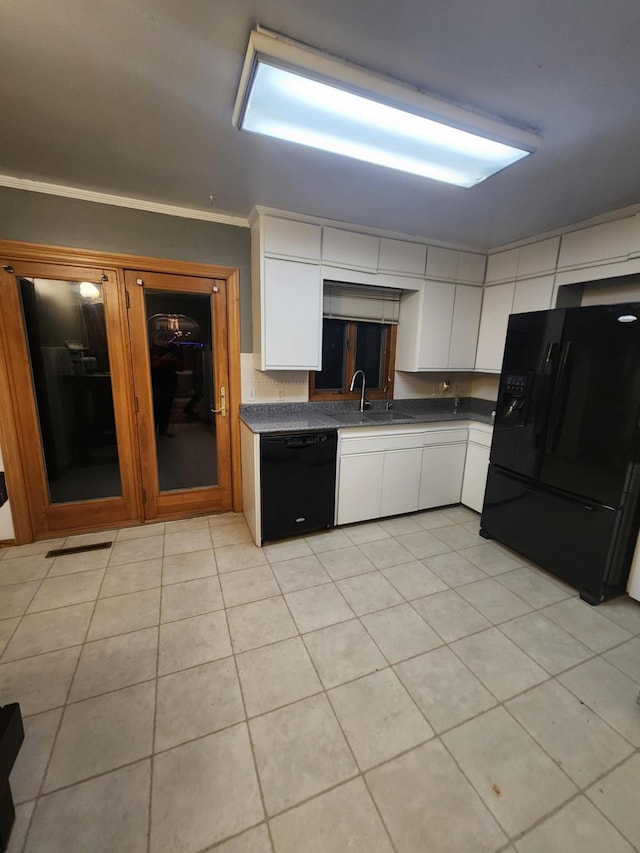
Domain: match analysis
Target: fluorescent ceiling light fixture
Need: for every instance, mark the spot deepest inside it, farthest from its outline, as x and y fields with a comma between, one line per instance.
x=298, y=94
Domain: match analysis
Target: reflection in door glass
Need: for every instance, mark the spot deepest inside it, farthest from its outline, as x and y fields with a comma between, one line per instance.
x=67, y=341
x=182, y=383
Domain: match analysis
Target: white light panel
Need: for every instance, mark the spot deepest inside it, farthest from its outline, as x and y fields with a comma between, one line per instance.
x=281, y=102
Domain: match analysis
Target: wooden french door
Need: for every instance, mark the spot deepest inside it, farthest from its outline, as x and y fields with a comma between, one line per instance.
x=92, y=438
x=180, y=350
x=68, y=364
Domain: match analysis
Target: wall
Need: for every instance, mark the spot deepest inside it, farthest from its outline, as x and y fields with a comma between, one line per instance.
x=611, y=293
x=40, y=218
x=6, y=523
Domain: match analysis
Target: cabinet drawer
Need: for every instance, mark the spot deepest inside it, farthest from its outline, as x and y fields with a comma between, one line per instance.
x=445, y=436
x=480, y=436
x=380, y=442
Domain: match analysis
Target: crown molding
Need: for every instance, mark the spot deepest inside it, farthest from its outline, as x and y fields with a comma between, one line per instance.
x=120, y=201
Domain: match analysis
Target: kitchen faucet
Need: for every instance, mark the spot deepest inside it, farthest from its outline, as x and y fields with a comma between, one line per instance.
x=388, y=401
x=362, y=400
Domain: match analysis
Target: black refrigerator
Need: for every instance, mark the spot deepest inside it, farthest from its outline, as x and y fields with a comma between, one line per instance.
x=563, y=485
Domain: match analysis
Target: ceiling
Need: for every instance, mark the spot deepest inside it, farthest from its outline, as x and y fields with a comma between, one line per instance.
x=134, y=98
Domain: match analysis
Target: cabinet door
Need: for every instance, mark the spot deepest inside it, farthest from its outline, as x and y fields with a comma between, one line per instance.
x=496, y=307
x=464, y=329
x=441, y=476
x=533, y=294
x=597, y=243
x=400, y=256
x=359, y=487
x=471, y=267
x=400, y=481
x=296, y=239
x=350, y=249
x=442, y=263
x=475, y=476
x=291, y=316
x=537, y=258
x=435, y=331
x=502, y=266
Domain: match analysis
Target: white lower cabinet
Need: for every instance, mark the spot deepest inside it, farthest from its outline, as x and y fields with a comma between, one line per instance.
x=359, y=487
x=441, y=478
x=400, y=481
x=385, y=472
x=476, y=467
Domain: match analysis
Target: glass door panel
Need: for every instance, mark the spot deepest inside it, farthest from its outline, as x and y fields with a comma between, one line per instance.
x=65, y=327
x=182, y=387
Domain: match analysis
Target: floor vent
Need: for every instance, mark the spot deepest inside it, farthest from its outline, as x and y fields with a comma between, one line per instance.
x=79, y=549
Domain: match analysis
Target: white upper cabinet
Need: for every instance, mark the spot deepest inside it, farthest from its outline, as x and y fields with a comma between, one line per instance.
x=598, y=244
x=438, y=327
x=533, y=294
x=442, y=264
x=402, y=257
x=502, y=266
x=292, y=239
x=538, y=258
x=471, y=268
x=350, y=249
x=291, y=316
x=523, y=262
x=496, y=307
x=452, y=265
x=464, y=328
x=424, y=329
x=435, y=325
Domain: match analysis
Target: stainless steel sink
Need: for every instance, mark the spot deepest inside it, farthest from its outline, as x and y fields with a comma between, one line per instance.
x=387, y=417
x=370, y=417
x=350, y=417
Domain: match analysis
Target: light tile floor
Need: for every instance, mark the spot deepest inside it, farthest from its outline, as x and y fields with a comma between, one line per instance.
x=401, y=685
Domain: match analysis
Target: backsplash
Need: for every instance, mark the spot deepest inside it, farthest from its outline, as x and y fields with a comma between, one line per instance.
x=281, y=386
x=292, y=386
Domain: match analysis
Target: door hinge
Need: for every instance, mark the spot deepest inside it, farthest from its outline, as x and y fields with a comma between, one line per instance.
x=137, y=408
x=144, y=496
x=126, y=293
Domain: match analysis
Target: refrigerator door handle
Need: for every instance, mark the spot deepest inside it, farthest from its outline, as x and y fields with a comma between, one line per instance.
x=558, y=399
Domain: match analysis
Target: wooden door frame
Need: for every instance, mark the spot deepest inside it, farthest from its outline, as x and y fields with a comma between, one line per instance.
x=14, y=251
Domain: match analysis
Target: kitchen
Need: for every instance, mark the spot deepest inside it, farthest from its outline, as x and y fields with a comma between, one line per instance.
x=521, y=276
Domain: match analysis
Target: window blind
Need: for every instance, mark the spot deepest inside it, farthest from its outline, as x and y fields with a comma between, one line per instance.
x=366, y=302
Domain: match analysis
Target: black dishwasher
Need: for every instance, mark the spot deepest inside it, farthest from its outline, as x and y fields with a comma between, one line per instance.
x=298, y=482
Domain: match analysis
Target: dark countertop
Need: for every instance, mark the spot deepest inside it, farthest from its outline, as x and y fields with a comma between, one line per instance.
x=301, y=417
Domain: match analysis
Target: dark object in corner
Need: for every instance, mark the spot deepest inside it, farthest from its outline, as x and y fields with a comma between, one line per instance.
x=4, y=497
x=11, y=737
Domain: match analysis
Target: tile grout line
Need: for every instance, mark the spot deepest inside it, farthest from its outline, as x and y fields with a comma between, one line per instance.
x=248, y=727
x=155, y=704
x=41, y=794
x=325, y=692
